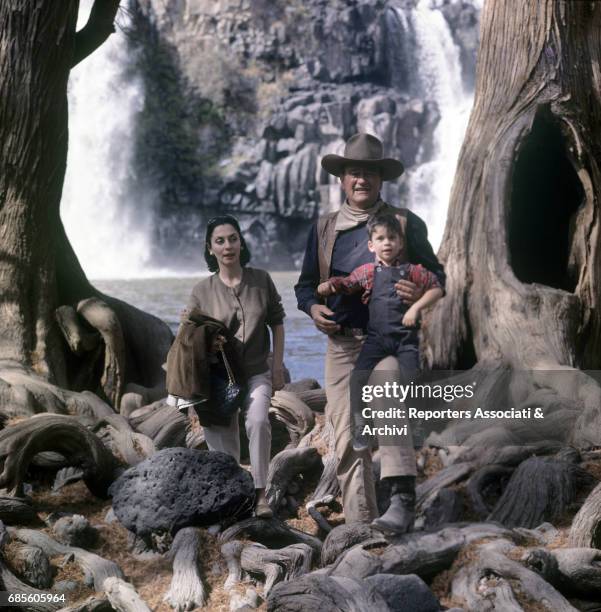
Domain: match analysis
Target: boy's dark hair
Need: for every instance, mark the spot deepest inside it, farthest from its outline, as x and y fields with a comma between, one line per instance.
x=211, y=225
x=387, y=220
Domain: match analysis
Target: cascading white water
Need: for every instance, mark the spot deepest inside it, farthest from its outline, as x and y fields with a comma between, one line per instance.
x=108, y=225
x=438, y=79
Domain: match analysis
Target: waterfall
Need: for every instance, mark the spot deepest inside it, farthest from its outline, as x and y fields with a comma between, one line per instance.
x=436, y=78
x=108, y=223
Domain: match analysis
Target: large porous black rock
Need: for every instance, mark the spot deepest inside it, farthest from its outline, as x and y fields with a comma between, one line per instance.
x=403, y=593
x=179, y=487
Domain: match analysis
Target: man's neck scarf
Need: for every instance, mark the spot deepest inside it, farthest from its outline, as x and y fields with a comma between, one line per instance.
x=349, y=217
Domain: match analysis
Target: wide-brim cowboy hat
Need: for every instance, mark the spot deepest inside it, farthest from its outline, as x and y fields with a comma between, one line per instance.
x=363, y=150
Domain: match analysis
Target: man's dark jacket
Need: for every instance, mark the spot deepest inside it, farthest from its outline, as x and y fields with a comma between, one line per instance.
x=350, y=251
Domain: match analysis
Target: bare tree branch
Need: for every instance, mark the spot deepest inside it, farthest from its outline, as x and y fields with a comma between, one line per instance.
x=99, y=27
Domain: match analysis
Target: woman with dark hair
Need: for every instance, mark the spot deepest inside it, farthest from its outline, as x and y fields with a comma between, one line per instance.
x=246, y=301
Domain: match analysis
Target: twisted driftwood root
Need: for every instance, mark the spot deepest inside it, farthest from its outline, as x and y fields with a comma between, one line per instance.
x=123, y=597
x=95, y=568
x=32, y=564
x=290, y=410
x=91, y=604
x=424, y=554
x=85, y=343
x=284, y=466
x=343, y=537
x=125, y=443
x=231, y=552
x=103, y=318
x=9, y=582
x=314, y=398
x=573, y=571
x=25, y=393
x=586, y=526
x=325, y=593
x=186, y=591
x=164, y=425
x=485, y=482
x=487, y=583
x=540, y=490
x=429, y=489
x=328, y=487
x=272, y=533
x=276, y=565
x=16, y=511
x=445, y=508
x=63, y=434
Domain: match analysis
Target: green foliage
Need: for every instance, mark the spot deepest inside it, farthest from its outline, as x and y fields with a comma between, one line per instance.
x=174, y=158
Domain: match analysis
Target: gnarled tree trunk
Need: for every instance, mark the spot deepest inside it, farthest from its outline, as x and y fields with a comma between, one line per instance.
x=521, y=246
x=38, y=269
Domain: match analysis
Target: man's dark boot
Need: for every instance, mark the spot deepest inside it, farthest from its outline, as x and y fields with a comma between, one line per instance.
x=399, y=517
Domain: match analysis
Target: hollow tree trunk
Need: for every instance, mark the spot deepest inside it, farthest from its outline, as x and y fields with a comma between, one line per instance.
x=38, y=268
x=521, y=245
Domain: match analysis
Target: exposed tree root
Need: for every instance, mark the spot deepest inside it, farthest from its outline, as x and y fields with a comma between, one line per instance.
x=284, y=466
x=44, y=432
x=272, y=532
x=95, y=568
x=277, y=565
x=290, y=410
x=541, y=489
x=586, y=526
x=186, y=591
x=488, y=583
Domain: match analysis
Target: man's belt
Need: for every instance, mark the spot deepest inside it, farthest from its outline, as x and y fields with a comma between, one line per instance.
x=352, y=332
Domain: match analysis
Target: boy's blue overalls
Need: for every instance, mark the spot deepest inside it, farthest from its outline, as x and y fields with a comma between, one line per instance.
x=386, y=335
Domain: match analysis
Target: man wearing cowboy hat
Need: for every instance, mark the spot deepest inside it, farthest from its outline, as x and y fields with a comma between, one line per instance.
x=337, y=244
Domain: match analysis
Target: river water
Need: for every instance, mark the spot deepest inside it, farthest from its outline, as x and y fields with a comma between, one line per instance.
x=166, y=297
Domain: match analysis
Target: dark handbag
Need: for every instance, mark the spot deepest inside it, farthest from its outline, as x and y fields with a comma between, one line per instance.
x=227, y=395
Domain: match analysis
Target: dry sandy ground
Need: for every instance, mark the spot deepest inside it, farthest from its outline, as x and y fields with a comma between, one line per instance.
x=151, y=577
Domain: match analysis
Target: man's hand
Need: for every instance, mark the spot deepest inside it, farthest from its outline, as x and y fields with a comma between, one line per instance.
x=320, y=314
x=409, y=292
x=325, y=289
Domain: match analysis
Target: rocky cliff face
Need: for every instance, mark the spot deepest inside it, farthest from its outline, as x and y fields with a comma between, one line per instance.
x=270, y=87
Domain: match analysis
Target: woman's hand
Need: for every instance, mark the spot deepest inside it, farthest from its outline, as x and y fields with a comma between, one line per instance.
x=277, y=378
x=217, y=344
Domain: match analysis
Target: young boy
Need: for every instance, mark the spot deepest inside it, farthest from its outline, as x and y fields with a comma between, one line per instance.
x=392, y=327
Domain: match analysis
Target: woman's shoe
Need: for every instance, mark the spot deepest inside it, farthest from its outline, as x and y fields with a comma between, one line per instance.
x=263, y=510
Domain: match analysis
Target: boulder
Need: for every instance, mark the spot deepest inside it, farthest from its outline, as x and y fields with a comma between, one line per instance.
x=179, y=487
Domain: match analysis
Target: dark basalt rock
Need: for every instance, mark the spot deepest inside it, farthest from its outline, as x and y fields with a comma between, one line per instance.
x=403, y=593
x=178, y=488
